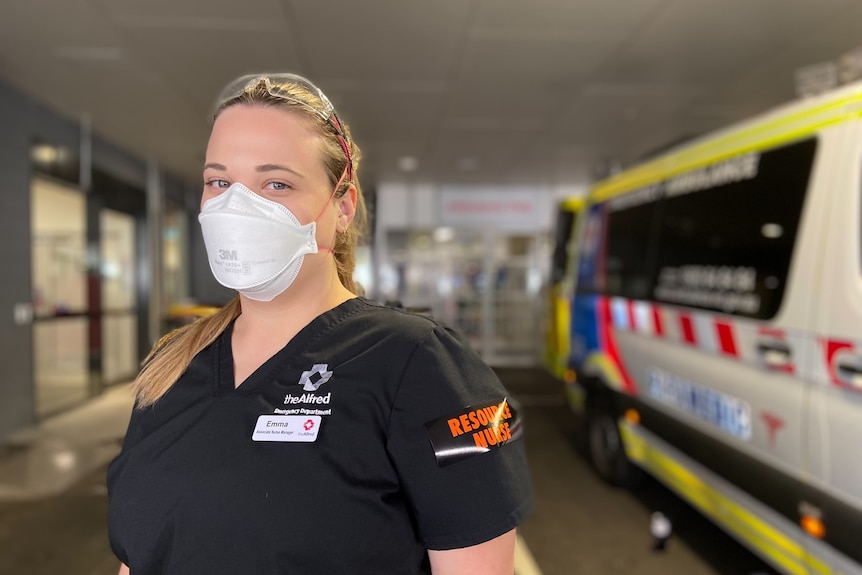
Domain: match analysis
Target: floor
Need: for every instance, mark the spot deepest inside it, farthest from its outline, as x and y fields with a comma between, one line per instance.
x=53, y=503
x=48, y=459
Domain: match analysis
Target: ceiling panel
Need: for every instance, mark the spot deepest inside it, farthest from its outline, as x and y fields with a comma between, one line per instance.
x=488, y=146
x=710, y=41
x=476, y=90
x=45, y=25
x=606, y=20
x=831, y=35
x=612, y=113
x=517, y=101
x=199, y=63
x=541, y=64
x=190, y=14
x=378, y=40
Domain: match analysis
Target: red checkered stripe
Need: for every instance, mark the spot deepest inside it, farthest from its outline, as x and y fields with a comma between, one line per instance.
x=813, y=358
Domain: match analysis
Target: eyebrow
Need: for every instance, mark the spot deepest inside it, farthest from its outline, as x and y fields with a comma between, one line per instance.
x=262, y=168
x=275, y=168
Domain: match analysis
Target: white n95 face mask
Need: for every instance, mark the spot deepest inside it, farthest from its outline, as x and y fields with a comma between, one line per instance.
x=254, y=245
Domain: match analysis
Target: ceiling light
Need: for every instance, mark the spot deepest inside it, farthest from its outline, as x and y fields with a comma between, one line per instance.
x=772, y=231
x=467, y=164
x=64, y=460
x=90, y=53
x=442, y=235
x=408, y=163
x=44, y=154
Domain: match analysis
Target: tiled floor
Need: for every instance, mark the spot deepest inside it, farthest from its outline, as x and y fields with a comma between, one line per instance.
x=49, y=458
x=53, y=504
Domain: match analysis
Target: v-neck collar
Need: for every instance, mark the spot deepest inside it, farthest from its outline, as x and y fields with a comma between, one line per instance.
x=309, y=335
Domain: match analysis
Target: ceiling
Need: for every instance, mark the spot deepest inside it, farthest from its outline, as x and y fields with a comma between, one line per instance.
x=521, y=91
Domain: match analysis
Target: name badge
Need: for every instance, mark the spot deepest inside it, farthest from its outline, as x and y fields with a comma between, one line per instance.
x=287, y=428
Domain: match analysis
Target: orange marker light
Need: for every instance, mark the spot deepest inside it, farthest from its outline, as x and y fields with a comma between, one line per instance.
x=569, y=376
x=632, y=416
x=813, y=526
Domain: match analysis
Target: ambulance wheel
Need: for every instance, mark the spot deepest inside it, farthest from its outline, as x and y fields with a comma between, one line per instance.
x=606, y=450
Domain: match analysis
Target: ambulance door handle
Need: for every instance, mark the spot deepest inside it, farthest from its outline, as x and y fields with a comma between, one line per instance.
x=850, y=369
x=775, y=354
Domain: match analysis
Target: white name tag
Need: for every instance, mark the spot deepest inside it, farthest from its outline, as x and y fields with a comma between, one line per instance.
x=287, y=428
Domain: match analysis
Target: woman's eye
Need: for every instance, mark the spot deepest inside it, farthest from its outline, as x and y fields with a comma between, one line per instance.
x=279, y=186
x=220, y=184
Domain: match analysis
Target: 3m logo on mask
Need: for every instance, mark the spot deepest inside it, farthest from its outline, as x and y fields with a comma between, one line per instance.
x=311, y=381
x=227, y=255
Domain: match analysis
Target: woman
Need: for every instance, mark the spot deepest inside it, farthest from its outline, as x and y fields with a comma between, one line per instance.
x=303, y=429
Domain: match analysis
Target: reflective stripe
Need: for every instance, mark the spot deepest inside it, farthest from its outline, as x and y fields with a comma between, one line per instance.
x=706, y=336
x=599, y=364
x=642, y=312
x=609, y=344
x=687, y=326
x=775, y=129
x=735, y=338
x=658, y=322
x=620, y=313
x=726, y=339
x=771, y=542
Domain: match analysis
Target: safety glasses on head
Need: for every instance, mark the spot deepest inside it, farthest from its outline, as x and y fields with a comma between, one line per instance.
x=277, y=86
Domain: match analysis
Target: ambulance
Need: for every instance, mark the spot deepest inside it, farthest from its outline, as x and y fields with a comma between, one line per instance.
x=557, y=314
x=716, y=329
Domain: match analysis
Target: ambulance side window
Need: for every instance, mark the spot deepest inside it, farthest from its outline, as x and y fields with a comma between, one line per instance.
x=728, y=247
x=628, y=269
x=562, y=236
x=589, y=272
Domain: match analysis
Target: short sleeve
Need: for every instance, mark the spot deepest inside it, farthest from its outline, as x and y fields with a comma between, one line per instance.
x=475, y=497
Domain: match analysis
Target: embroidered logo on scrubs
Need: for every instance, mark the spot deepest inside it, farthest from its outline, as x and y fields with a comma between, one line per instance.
x=312, y=380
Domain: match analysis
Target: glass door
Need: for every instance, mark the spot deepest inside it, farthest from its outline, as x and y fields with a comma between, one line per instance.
x=119, y=333
x=59, y=277
x=482, y=282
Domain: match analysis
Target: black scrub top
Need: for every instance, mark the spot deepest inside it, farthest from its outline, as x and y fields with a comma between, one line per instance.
x=374, y=435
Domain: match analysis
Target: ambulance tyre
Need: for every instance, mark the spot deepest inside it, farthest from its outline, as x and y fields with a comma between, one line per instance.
x=605, y=448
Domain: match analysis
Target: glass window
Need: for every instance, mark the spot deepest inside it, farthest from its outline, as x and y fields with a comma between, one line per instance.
x=119, y=325
x=59, y=235
x=175, y=265
x=590, y=251
x=59, y=274
x=628, y=269
x=562, y=235
x=728, y=230
x=117, y=260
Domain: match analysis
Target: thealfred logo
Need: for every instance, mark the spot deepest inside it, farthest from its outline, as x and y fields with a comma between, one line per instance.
x=311, y=381
x=227, y=254
x=306, y=398
x=317, y=376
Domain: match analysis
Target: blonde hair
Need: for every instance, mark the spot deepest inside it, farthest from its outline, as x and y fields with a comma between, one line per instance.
x=172, y=354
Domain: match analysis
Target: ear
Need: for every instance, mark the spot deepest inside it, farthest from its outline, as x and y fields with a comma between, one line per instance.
x=346, y=208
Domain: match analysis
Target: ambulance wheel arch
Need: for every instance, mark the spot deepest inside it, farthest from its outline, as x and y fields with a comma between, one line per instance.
x=601, y=440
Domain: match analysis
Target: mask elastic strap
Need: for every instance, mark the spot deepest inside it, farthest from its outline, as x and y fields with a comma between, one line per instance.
x=332, y=195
